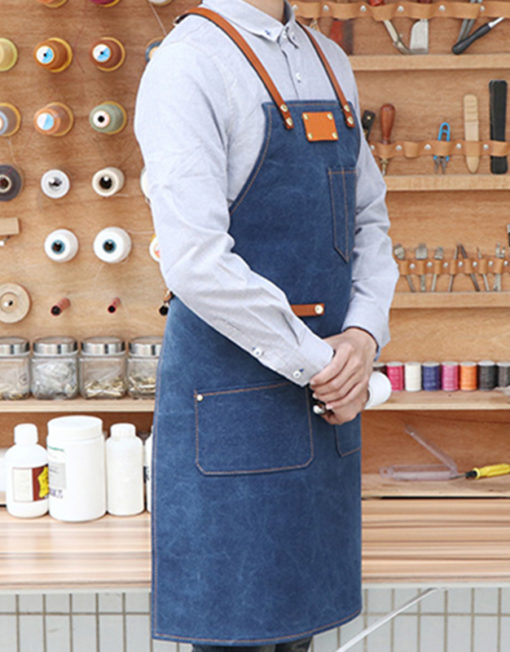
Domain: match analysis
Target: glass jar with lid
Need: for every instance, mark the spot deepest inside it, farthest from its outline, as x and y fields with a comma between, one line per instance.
x=14, y=368
x=142, y=364
x=54, y=368
x=103, y=367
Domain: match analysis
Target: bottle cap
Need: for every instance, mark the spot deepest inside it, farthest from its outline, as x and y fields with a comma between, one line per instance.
x=25, y=434
x=122, y=430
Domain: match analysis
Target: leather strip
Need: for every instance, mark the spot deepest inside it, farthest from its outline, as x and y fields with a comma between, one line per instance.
x=486, y=265
x=349, y=118
x=343, y=11
x=249, y=54
x=308, y=309
x=411, y=149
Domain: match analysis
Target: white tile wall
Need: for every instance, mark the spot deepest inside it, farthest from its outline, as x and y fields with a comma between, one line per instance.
x=462, y=619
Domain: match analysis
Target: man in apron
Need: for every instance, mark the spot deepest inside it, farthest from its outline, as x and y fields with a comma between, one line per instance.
x=269, y=211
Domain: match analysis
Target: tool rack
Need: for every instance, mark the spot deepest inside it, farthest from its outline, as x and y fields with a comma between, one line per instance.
x=436, y=209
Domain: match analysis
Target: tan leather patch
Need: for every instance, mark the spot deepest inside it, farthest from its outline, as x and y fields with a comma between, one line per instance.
x=320, y=125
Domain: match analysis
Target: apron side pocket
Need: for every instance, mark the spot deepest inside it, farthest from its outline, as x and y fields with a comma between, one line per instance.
x=261, y=429
x=342, y=192
x=348, y=437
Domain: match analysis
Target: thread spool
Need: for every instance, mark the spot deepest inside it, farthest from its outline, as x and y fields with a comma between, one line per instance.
x=54, y=119
x=144, y=184
x=105, y=3
x=60, y=306
x=395, y=372
x=52, y=4
x=503, y=374
x=377, y=366
x=431, y=376
x=55, y=184
x=412, y=376
x=154, y=249
x=14, y=303
x=10, y=119
x=53, y=54
x=113, y=305
x=468, y=376
x=107, y=53
x=11, y=183
x=108, y=181
x=151, y=48
x=160, y=3
x=61, y=245
x=112, y=245
x=8, y=54
x=450, y=376
x=487, y=375
x=108, y=118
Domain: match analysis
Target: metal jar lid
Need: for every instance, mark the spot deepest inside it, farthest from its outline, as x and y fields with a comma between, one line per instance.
x=13, y=346
x=146, y=346
x=49, y=346
x=103, y=345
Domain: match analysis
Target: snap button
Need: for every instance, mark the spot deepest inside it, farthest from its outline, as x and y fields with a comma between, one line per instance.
x=200, y=397
x=257, y=352
x=297, y=374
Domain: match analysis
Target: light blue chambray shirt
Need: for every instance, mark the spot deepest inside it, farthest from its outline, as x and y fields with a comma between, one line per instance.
x=200, y=126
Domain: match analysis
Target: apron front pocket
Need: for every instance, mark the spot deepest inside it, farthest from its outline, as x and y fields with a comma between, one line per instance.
x=342, y=192
x=258, y=429
x=348, y=437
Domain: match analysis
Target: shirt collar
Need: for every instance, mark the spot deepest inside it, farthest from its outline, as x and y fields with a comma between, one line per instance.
x=256, y=21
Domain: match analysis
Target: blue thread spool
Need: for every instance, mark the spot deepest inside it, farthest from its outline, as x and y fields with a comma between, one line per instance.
x=431, y=376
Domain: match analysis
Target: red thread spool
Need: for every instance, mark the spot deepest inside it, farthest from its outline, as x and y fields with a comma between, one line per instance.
x=450, y=376
x=60, y=306
x=395, y=373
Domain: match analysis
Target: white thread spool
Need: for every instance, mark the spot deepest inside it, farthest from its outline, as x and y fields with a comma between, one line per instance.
x=412, y=371
x=55, y=184
x=112, y=245
x=61, y=245
x=144, y=183
x=108, y=181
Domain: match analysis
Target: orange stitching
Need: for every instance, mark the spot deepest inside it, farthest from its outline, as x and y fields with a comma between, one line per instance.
x=254, y=174
x=262, y=640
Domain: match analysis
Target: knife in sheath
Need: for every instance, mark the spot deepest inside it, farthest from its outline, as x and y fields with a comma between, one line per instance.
x=498, y=94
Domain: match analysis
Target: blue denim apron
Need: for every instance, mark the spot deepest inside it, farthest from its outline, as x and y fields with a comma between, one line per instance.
x=256, y=524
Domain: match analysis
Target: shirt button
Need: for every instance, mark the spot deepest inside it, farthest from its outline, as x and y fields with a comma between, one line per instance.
x=257, y=352
x=298, y=76
x=297, y=374
x=284, y=34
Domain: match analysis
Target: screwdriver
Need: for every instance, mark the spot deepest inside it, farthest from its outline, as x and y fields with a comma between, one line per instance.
x=485, y=471
x=387, y=115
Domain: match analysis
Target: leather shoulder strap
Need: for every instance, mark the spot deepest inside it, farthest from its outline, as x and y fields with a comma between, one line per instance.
x=349, y=119
x=249, y=54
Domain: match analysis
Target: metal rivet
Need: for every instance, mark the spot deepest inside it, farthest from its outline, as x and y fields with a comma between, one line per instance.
x=350, y=120
x=363, y=9
x=400, y=9
x=505, y=263
x=442, y=8
x=200, y=397
x=284, y=107
x=290, y=122
x=398, y=148
x=347, y=108
x=460, y=263
x=310, y=136
x=458, y=146
x=305, y=116
x=372, y=147
x=319, y=309
x=412, y=266
x=446, y=264
x=335, y=135
x=475, y=264
x=428, y=147
x=491, y=263
x=486, y=147
x=330, y=116
x=482, y=9
x=429, y=264
x=325, y=7
x=295, y=7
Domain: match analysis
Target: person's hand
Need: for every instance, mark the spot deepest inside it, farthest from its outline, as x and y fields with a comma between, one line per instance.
x=343, y=384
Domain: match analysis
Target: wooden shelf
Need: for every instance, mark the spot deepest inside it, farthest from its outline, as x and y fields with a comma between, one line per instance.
x=413, y=540
x=453, y=182
x=393, y=62
x=449, y=300
x=375, y=486
x=34, y=406
x=493, y=400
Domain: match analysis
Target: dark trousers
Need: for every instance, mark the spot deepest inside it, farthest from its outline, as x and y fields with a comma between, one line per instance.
x=301, y=645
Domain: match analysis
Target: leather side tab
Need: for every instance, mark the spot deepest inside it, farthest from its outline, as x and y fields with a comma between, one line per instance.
x=308, y=309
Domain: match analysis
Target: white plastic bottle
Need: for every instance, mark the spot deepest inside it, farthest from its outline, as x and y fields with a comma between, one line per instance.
x=147, y=470
x=26, y=466
x=124, y=471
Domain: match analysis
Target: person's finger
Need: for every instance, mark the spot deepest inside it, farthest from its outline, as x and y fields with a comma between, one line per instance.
x=356, y=397
x=339, y=387
x=332, y=369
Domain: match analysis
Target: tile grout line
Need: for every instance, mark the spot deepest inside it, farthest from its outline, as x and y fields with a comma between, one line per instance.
x=98, y=643
x=418, y=627
x=124, y=624
x=472, y=642
x=499, y=619
x=18, y=636
x=71, y=642
x=392, y=622
x=445, y=622
x=45, y=636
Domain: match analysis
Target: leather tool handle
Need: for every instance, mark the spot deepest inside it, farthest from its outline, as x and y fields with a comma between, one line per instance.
x=498, y=95
x=387, y=120
x=425, y=2
x=376, y=3
x=367, y=122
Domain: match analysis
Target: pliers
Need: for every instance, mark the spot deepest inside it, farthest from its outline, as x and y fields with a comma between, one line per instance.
x=440, y=162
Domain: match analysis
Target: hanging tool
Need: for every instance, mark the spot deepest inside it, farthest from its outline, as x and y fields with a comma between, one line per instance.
x=419, y=42
x=367, y=122
x=440, y=162
x=387, y=117
x=464, y=255
x=498, y=95
x=486, y=471
x=467, y=25
x=422, y=253
x=390, y=28
x=462, y=46
x=484, y=276
x=438, y=255
x=452, y=276
x=500, y=253
x=400, y=254
x=471, y=129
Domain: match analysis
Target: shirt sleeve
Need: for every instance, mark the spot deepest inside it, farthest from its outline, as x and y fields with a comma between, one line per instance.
x=182, y=125
x=374, y=271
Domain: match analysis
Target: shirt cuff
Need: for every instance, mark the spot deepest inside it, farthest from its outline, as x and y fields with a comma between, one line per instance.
x=308, y=359
x=369, y=318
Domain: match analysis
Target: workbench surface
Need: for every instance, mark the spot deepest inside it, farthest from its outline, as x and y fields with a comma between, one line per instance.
x=404, y=541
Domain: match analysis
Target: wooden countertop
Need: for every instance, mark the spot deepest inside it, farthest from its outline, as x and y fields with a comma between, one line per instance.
x=404, y=540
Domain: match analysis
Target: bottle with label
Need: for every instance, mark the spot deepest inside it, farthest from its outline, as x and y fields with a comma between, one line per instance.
x=124, y=471
x=147, y=470
x=26, y=466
